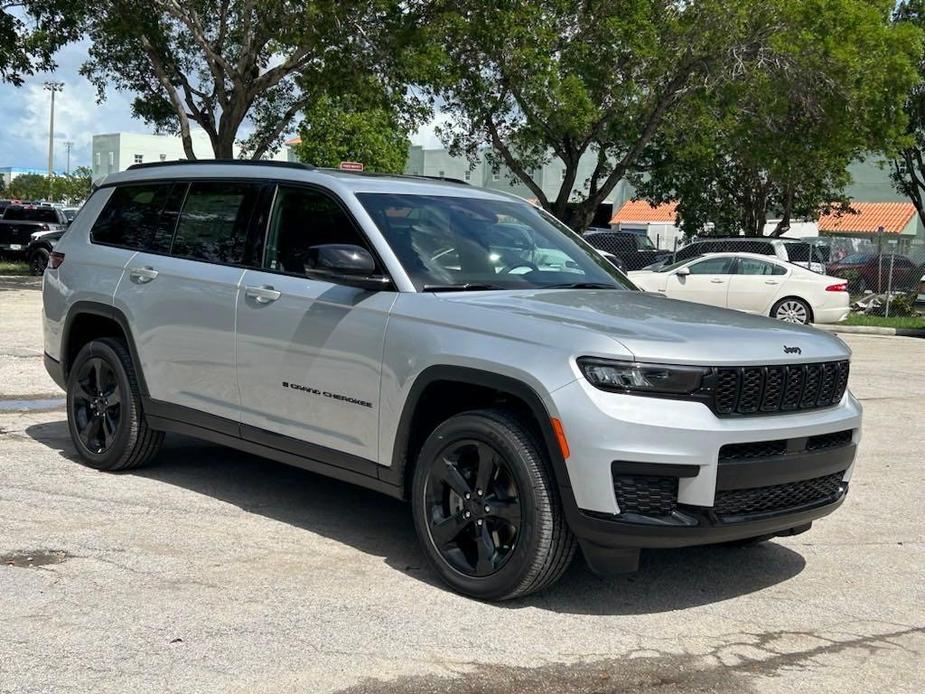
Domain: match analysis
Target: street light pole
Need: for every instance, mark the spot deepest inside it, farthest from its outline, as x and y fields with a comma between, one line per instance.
x=52, y=87
x=68, y=146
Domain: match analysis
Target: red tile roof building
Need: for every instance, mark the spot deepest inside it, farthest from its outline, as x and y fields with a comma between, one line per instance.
x=868, y=217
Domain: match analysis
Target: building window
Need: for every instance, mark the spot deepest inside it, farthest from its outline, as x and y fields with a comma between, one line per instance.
x=139, y=159
x=563, y=174
x=468, y=175
x=495, y=176
x=98, y=162
x=112, y=158
x=441, y=173
x=163, y=157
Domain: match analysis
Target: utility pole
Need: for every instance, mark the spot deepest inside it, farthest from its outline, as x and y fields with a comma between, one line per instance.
x=68, y=146
x=52, y=87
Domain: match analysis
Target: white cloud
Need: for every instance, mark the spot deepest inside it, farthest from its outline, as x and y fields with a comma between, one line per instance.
x=426, y=135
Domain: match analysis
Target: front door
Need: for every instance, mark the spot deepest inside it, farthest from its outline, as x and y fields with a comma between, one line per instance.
x=309, y=350
x=707, y=282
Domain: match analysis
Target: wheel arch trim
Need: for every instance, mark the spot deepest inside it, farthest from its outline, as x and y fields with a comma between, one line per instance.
x=95, y=308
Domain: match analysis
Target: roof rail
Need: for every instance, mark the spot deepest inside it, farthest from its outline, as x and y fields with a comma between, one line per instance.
x=234, y=162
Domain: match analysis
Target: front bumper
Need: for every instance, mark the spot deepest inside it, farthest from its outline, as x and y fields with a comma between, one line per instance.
x=612, y=435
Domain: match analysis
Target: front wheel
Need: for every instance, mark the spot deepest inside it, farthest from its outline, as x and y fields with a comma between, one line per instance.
x=486, y=508
x=38, y=261
x=792, y=310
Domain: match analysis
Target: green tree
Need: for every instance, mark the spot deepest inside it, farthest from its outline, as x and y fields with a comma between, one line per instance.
x=828, y=89
x=29, y=187
x=30, y=33
x=908, y=167
x=74, y=187
x=333, y=130
x=556, y=78
x=228, y=65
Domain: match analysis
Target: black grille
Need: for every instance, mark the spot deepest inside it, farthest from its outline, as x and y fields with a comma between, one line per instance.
x=834, y=440
x=750, y=390
x=778, y=497
x=645, y=494
x=755, y=449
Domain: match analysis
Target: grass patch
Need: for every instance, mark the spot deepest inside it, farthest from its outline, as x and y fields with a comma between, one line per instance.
x=13, y=267
x=881, y=322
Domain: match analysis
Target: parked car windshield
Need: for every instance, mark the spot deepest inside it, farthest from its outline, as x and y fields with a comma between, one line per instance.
x=446, y=242
x=33, y=214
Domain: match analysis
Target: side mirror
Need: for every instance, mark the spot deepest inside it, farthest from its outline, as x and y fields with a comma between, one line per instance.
x=683, y=271
x=340, y=259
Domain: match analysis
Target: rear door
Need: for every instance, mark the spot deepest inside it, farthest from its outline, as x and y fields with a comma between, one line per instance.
x=309, y=348
x=756, y=285
x=179, y=294
x=707, y=283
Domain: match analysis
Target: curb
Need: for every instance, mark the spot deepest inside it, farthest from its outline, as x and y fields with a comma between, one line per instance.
x=872, y=330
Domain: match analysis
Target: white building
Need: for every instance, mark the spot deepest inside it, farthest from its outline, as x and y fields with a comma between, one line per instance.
x=117, y=151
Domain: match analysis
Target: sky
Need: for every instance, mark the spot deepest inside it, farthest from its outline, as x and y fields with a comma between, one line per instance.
x=24, y=114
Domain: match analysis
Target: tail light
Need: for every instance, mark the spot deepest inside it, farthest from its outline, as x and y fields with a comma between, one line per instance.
x=841, y=287
x=55, y=260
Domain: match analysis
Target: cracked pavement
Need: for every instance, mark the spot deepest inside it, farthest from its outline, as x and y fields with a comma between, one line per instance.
x=216, y=571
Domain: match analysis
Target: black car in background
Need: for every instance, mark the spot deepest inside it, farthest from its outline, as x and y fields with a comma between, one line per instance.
x=635, y=251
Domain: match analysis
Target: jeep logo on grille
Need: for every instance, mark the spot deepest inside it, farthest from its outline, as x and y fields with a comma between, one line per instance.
x=792, y=350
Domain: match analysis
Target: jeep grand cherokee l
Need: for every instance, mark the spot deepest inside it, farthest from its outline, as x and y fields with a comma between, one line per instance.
x=386, y=331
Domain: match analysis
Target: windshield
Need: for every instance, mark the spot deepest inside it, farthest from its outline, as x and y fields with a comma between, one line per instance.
x=856, y=258
x=447, y=242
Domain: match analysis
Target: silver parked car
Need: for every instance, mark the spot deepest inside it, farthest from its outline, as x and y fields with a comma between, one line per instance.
x=451, y=346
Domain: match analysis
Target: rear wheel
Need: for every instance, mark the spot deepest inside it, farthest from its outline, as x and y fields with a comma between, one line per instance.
x=792, y=310
x=486, y=508
x=104, y=412
x=38, y=261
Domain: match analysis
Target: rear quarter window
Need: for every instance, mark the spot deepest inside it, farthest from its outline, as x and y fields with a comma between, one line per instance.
x=130, y=217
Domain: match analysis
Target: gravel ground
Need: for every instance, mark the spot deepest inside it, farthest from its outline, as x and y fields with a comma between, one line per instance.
x=215, y=571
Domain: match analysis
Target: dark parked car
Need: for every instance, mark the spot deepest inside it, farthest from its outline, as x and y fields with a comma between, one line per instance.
x=20, y=222
x=869, y=271
x=635, y=251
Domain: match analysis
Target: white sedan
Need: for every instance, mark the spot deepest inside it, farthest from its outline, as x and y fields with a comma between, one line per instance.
x=752, y=283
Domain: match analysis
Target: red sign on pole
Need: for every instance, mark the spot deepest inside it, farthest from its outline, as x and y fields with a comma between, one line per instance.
x=350, y=166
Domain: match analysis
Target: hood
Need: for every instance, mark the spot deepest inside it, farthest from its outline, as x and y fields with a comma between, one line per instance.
x=657, y=329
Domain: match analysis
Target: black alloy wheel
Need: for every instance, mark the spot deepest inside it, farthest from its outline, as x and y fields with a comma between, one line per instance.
x=473, y=505
x=97, y=405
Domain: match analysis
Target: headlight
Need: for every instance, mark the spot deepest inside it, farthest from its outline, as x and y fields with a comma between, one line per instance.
x=633, y=377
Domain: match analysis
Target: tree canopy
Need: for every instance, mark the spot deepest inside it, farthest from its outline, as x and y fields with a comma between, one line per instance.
x=241, y=70
x=30, y=33
x=828, y=89
x=555, y=78
x=336, y=130
x=908, y=166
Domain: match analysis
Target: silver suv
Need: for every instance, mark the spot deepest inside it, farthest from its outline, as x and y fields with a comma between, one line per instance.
x=452, y=346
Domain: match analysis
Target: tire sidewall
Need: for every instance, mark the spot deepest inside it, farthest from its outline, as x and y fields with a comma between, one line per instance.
x=519, y=564
x=124, y=436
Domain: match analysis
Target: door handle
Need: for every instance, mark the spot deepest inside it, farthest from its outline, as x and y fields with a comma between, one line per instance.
x=717, y=281
x=143, y=275
x=771, y=282
x=262, y=295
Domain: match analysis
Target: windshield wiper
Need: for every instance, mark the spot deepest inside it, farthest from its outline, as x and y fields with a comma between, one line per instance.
x=467, y=287
x=581, y=285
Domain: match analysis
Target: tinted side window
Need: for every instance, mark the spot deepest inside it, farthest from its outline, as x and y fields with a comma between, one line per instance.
x=214, y=222
x=14, y=214
x=712, y=266
x=750, y=266
x=130, y=217
x=304, y=218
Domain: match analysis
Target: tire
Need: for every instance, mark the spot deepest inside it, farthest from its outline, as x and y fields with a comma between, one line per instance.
x=792, y=310
x=104, y=414
x=38, y=261
x=514, y=540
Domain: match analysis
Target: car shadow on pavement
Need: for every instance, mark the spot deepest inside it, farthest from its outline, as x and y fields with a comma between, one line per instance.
x=381, y=526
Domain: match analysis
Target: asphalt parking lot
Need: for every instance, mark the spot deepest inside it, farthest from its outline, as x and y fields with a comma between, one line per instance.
x=215, y=571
